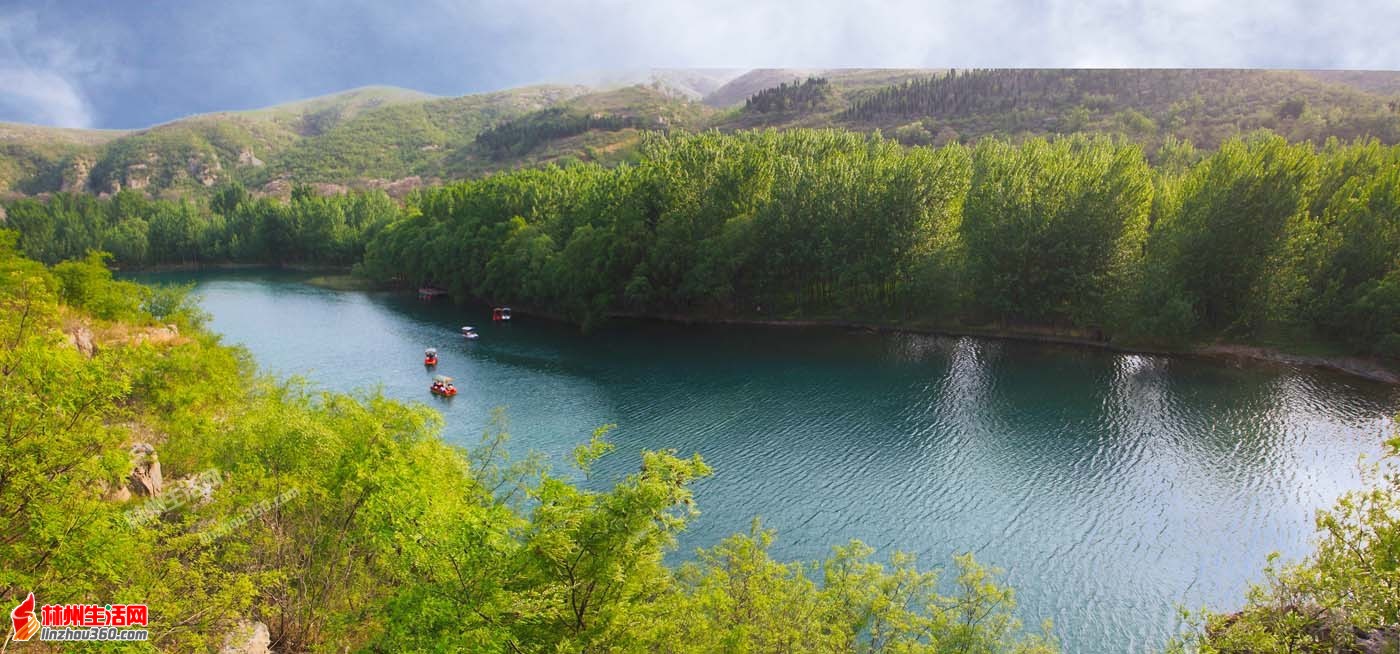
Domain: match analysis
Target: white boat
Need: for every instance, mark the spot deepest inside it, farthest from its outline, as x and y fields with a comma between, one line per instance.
x=470, y=332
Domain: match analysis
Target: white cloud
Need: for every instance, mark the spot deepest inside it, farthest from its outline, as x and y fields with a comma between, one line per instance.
x=39, y=75
x=44, y=97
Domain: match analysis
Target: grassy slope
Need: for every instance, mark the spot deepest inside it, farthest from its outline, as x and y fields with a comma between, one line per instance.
x=655, y=107
x=386, y=133
x=402, y=140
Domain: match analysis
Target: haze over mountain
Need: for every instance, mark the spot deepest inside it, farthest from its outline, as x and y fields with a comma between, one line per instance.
x=132, y=65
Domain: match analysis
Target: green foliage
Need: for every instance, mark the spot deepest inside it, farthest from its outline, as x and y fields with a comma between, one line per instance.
x=738, y=599
x=1232, y=220
x=175, y=304
x=1049, y=228
x=88, y=285
x=236, y=227
x=810, y=94
x=806, y=221
x=518, y=136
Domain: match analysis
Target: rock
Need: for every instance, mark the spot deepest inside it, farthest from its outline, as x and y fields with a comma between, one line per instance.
x=165, y=334
x=247, y=158
x=277, y=188
x=76, y=176
x=397, y=189
x=1381, y=640
x=206, y=173
x=326, y=188
x=145, y=476
x=138, y=176
x=119, y=494
x=81, y=338
x=247, y=637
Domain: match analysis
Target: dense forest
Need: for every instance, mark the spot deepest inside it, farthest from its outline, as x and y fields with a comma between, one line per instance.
x=520, y=135
x=343, y=522
x=806, y=95
x=1260, y=239
x=232, y=226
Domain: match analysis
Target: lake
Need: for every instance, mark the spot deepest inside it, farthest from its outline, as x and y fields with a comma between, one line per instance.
x=1110, y=487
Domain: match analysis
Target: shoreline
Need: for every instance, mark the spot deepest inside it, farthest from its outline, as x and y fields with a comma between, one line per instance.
x=1371, y=369
x=196, y=266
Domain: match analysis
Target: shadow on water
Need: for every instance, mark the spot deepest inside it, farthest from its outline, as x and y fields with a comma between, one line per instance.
x=1111, y=487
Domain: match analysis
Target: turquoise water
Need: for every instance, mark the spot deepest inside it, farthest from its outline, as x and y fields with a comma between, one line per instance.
x=1110, y=487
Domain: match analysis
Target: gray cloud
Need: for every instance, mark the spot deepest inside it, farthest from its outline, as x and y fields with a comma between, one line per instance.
x=60, y=65
x=43, y=97
x=39, y=75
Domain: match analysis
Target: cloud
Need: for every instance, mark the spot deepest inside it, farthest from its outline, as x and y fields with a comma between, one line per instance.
x=136, y=64
x=40, y=75
x=43, y=97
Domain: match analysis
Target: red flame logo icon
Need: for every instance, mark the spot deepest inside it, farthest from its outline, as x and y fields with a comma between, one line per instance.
x=22, y=617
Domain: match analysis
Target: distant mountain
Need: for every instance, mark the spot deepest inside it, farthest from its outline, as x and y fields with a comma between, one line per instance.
x=688, y=83
x=399, y=139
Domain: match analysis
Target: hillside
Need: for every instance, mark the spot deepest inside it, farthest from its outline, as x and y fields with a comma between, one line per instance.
x=1203, y=106
x=403, y=140
x=397, y=139
x=316, y=115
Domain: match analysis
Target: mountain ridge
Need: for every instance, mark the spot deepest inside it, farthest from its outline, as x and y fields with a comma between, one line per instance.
x=377, y=136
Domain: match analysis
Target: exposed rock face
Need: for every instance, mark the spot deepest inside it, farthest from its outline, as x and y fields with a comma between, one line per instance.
x=247, y=637
x=76, y=175
x=81, y=338
x=277, y=188
x=247, y=158
x=119, y=494
x=164, y=334
x=1383, y=640
x=323, y=188
x=202, y=171
x=145, y=472
x=399, y=188
x=137, y=176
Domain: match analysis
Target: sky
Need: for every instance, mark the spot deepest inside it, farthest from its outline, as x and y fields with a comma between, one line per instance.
x=131, y=64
